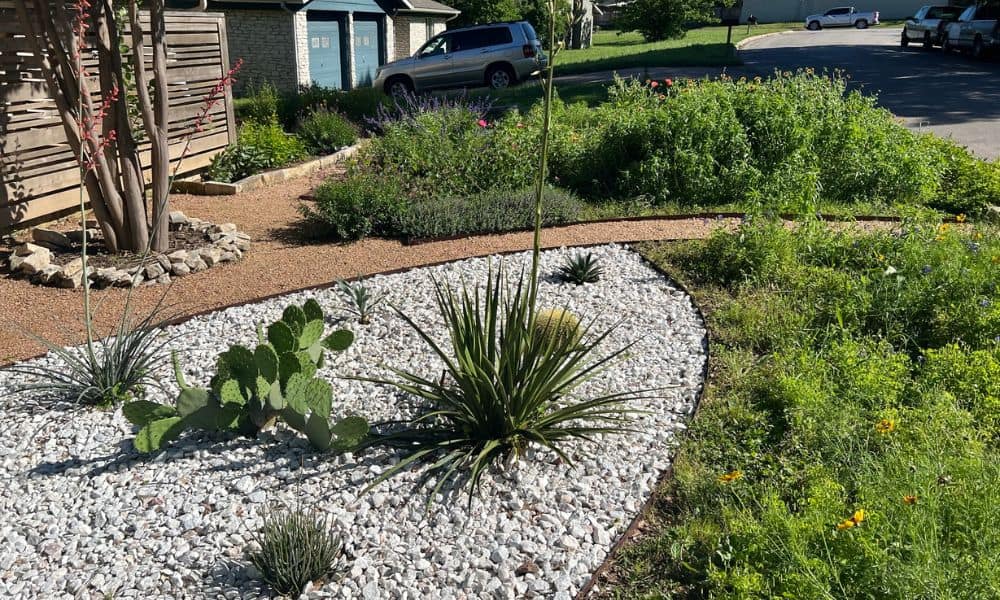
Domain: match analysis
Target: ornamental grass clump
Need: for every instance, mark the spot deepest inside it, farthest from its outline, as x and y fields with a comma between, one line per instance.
x=108, y=371
x=361, y=301
x=296, y=548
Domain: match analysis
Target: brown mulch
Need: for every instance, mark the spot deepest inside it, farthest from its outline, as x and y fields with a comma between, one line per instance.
x=279, y=261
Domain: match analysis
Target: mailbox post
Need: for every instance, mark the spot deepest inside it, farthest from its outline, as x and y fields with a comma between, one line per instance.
x=730, y=15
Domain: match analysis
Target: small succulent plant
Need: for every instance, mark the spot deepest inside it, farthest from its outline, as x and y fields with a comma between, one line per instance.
x=557, y=327
x=581, y=268
x=296, y=547
x=361, y=302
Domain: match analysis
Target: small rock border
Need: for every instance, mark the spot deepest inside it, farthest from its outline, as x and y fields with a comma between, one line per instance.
x=253, y=182
x=33, y=260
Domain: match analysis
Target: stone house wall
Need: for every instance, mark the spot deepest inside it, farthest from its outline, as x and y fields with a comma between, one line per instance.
x=266, y=41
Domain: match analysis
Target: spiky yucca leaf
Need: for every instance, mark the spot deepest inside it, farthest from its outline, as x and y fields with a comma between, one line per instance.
x=505, y=388
x=110, y=371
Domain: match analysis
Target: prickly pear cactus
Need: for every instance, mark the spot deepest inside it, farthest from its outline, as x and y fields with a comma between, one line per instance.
x=557, y=327
x=252, y=389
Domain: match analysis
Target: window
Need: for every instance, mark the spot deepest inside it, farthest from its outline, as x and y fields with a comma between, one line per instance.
x=438, y=45
x=838, y=11
x=529, y=31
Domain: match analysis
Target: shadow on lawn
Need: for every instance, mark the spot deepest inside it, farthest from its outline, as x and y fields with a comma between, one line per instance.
x=698, y=55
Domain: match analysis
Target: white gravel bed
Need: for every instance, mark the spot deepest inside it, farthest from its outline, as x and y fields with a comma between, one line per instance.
x=82, y=514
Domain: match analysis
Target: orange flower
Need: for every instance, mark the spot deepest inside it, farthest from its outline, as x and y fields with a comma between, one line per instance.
x=730, y=476
x=909, y=500
x=654, y=84
x=669, y=82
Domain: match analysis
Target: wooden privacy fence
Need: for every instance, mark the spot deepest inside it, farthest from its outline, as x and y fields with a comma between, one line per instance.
x=39, y=173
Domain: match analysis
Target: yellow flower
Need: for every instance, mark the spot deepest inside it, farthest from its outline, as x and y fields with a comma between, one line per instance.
x=846, y=524
x=960, y=218
x=938, y=238
x=978, y=236
x=730, y=476
x=885, y=426
x=996, y=259
x=909, y=499
x=944, y=227
x=856, y=519
x=880, y=257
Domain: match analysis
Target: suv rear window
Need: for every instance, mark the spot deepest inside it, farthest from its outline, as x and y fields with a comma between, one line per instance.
x=529, y=32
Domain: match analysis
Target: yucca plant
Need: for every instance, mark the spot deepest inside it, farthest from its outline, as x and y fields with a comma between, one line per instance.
x=296, y=547
x=506, y=386
x=581, y=268
x=361, y=302
x=108, y=371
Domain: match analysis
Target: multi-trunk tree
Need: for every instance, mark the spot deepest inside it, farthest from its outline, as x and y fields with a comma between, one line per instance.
x=131, y=66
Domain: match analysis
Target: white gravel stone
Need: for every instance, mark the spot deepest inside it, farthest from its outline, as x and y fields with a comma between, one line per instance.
x=82, y=514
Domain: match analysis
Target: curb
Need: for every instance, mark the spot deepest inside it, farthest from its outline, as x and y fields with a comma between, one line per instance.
x=740, y=44
x=253, y=182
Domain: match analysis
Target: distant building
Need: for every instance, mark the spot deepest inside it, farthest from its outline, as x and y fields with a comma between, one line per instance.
x=333, y=43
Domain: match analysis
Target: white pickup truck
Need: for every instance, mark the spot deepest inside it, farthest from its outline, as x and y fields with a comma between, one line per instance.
x=843, y=16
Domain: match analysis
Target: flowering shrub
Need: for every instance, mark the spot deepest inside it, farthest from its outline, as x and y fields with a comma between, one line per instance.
x=830, y=454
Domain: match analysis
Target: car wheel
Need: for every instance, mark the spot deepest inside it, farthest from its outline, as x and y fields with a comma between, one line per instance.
x=928, y=41
x=977, y=47
x=861, y=24
x=500, y=77
x=904, y=41
x=813, y=26
x=398, y=86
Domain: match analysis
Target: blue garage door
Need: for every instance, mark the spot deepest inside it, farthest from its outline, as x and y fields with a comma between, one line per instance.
x=325, y=51
x=367, y=50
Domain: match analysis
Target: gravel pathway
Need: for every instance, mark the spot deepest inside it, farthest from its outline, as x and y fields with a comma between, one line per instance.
x=82, y=515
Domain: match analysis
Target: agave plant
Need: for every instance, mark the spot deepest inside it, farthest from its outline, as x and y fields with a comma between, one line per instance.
x=581, y=268
x=507, y=386
x=108, y=371
x=361, y=302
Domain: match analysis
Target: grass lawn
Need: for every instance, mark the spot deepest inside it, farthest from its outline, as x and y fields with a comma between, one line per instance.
x=702, y=47
x=846, y=443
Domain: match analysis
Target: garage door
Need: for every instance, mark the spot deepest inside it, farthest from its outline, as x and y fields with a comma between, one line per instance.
x=367, y=50
x=325, y=50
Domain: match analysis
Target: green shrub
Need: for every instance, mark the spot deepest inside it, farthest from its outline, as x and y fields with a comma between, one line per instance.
x=323, y=132
x=295, y=548
x=361, y=205
x=493, y=211
x=259, y=148
x=357, y=105
x=260, y=105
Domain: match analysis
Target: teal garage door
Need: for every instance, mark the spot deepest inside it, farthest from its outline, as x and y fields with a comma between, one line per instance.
x=325, y=50
x=367, y=50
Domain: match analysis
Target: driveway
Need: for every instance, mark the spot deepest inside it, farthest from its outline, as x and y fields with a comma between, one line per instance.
x=948, y=94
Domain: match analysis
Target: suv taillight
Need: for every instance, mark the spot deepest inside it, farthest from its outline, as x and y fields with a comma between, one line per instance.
x=529, y=50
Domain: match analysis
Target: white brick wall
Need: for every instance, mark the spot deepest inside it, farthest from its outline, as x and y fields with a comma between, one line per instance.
x=265, y=40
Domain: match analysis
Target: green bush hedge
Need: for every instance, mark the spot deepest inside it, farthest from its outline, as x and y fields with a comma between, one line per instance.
x=847, y=443
x=258, y=148
x=324, y=132
x=791, y=143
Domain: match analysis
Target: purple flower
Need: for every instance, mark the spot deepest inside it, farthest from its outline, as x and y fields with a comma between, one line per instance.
x=985, y=303
x=927, y=269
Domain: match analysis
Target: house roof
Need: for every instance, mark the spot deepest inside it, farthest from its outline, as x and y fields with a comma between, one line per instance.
x=428, y=6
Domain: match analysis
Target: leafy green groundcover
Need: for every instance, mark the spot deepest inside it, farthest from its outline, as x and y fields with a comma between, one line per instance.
x=847, y=443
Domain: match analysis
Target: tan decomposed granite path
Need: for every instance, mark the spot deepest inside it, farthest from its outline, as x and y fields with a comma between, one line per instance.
x=280, y=261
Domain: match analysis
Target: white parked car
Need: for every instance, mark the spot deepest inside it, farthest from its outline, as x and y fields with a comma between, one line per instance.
x=928, y=25
x=843, y=16
x=977, y=30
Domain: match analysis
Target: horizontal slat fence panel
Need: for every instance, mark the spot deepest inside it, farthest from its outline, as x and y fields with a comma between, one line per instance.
x=39, y=177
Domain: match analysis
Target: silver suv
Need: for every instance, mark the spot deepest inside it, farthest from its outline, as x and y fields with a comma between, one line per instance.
x=497, y=55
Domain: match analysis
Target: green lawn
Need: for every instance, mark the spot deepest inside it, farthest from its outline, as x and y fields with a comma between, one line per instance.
x=702, y=47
